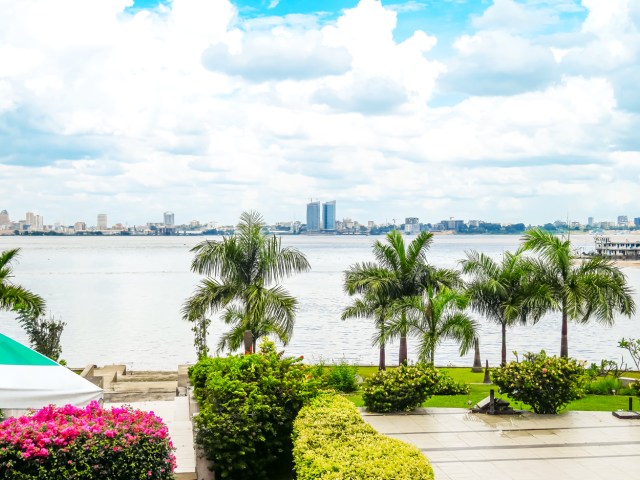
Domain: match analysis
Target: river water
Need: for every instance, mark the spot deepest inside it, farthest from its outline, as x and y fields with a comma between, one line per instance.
x=121, y=300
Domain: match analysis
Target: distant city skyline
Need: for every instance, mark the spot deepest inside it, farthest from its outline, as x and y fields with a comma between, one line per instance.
x=502, y=110
x=320, y=216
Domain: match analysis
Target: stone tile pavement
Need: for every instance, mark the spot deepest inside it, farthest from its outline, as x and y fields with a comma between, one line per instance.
x=574, y=445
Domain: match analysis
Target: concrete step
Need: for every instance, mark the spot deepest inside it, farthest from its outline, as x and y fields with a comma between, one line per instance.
x=150, y=387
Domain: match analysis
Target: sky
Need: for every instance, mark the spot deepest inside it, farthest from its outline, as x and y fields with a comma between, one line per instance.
x=495, y=110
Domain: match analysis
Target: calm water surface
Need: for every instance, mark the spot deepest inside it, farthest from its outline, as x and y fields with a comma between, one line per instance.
x=121, y=299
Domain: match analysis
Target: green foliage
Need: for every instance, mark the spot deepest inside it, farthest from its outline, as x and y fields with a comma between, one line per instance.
x=342, y=377
x=448, y=386
x=14, y=297
x=200, y=329
x=633, y=347
x=332, y=442
x=603, y=386
x=606, y=368
x=243, y=274
x=44, y=334
x=545, y=383
x=247, y=407
x=400, y=389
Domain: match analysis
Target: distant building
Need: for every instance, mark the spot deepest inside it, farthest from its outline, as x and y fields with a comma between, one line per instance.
x=169, y=219
x=4, y=218
x=102, y=221
x=79, y=226
x=590, y=221
x=35, y=222
x=411, y=225
x=328, y=216
x=313, y=217
x=623, y=220
x=636, y=221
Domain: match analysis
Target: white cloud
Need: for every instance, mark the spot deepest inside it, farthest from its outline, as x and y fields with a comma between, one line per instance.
x=511, y=16
x=497, y=62
x=193, y=109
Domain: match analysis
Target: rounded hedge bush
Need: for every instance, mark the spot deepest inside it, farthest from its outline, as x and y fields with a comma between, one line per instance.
x=247, y=407
x=57, y=443
x=545, y=383
x=400, y=389
x=331, y=441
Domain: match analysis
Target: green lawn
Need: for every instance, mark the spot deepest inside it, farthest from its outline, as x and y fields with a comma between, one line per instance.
x=478, y=391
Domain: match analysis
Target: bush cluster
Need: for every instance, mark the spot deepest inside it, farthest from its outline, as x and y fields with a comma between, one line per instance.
x=57, y=443
x=400, y=389
x=545, y=383
x=247, y=407
x=603, y=386
x=343, y=378
x=331, y=442
x=448, y=386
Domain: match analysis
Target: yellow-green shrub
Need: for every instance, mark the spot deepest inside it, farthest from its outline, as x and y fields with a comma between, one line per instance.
x=331, y=441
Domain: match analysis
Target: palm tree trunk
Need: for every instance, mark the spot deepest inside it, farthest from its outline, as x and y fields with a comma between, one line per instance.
x=382, y=365
x=564, y=344
x=504, y=345
x=402, y=355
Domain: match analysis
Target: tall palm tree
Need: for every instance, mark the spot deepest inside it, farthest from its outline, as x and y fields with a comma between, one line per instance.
x=399, y=272
x=14, y=297
x=243, y=272
x=378, y=306
x=580, y=290
x=503, y=292
x=437, y=316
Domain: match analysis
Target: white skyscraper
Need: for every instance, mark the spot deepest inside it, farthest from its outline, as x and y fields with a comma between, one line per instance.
x=169, y=219
x=102, y=221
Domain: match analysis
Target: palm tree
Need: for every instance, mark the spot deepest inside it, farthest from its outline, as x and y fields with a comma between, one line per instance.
x=399, y=272
x=243, y=272
x=437, y=316
x=372, y=304
x=14, y=297
x=594, y=287
x=503, y=292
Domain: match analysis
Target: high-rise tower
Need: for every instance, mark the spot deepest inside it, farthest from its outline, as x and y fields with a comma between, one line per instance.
x=313, y=217
x=169, y=219
x=102, y=221
x=329, y=216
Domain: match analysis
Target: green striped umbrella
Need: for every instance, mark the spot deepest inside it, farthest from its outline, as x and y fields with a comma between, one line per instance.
x=31, y=380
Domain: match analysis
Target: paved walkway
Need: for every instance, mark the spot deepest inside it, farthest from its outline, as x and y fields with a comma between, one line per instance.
x=574, y=445
x=175, y=414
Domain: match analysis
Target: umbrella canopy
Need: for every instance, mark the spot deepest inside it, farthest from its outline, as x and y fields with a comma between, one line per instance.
x=31, y=380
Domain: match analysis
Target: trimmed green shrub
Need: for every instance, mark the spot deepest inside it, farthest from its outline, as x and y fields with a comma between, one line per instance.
x=332, y=442
x=545, y=383
x=247, y=407
x=448, y=386
x=400, y=389
x=343, y=378
x=58, y=443
x=603, y=386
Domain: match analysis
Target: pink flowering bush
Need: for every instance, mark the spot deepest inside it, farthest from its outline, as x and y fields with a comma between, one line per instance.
x=86, y=443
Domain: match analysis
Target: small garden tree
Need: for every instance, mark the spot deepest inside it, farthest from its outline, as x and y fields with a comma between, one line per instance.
x=545, y=383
